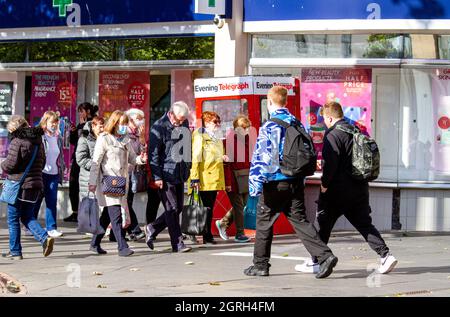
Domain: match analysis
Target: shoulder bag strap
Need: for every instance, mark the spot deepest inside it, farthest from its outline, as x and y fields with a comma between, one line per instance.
x=284, y=124
x=29, y=164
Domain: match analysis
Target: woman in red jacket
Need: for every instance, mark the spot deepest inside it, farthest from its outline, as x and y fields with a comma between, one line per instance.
x=237, y=145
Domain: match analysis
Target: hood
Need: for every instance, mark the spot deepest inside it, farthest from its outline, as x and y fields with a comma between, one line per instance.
x=33, y=134
x=87, y=130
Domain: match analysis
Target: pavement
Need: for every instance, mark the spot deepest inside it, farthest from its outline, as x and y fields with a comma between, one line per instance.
x=217, y=270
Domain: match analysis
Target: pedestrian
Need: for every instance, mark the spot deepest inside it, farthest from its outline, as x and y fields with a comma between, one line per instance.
x=53, y=172
x=25, y=148
x=237, y=145
x=154, y=200
x=86, y=112
x=170, y=142
x=207, y=173
x=341, y=194
x=85, y=152
x=280, y=193
x=109, y=179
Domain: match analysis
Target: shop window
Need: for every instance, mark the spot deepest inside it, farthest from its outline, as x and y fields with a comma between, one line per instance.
x=331, y=46
x=227, y=110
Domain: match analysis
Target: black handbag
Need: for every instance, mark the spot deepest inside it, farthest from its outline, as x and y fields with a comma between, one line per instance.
x=114, y=186
x=194, y=216
x=241, y=177
x=139, y=181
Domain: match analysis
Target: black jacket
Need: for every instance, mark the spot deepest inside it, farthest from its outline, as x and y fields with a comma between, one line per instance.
x=20, y=152
x=173, y=169
x=337, y=162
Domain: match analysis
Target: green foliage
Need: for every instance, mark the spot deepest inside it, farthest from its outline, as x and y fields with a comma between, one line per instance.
x=381, y=46
x=109, y=50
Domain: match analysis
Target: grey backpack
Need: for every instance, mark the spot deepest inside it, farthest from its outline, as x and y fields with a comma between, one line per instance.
x=365, y=155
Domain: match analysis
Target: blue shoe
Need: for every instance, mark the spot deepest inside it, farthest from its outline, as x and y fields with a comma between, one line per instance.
x=241, y=238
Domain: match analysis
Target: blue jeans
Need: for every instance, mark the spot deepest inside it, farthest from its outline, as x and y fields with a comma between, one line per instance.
x=51, y=197
x=23, y=211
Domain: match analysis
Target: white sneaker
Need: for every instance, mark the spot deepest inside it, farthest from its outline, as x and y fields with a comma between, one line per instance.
x=55, y=233
x=387, y=264
x=222, y=232
x=308, y=267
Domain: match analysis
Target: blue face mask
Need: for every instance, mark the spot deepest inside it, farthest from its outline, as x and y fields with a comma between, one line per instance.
x=122, y=130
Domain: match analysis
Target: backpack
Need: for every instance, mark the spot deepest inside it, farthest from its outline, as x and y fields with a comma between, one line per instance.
x=299, y=155
x=365, y=155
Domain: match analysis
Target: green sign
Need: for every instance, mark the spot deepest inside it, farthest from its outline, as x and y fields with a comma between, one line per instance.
x=212, y=3
x=62, y=6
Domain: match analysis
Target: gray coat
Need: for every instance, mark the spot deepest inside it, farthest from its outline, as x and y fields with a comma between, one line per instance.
x=83, y=155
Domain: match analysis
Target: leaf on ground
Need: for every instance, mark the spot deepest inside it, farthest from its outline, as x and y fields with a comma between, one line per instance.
x=285, y=254
x=12, y=287
x=349, y=248
x=125, y=291
x=101, y=286
x=97, y=273
x=134, y=269
x=355, y=257
x=189, y=263
x=362, y=249
x=214, y=283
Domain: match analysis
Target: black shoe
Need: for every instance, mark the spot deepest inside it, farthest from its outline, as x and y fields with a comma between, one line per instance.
x=47, y=247
x=209, y=241
x=97, y=250
x=137, y=237
x=254, y=271
x=326, y=268
x=72, y=218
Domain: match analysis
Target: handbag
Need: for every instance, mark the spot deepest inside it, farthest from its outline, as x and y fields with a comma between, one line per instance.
x=114, y=186
x=11, y=188
x=241, y=177
x=88, y=216
x=194, y=216
x=139, y=181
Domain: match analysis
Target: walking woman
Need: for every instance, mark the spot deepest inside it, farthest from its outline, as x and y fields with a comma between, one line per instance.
x=207, y=174
x=53, y=172
x=236, y=177
x=25, y=148
x=86, y=112
x=109, y=179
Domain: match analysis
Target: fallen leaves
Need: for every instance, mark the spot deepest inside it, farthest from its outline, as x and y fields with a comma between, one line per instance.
x=101, y=286
x=214, y=283
x=12, y=287
x=285, y=255
x=189, y=263
x=126, y=291
x=134, y=269
x=97, y=273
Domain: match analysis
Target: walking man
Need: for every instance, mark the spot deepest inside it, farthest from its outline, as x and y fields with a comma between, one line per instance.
x=341, y=194
x=170, y=163
x=280, y=193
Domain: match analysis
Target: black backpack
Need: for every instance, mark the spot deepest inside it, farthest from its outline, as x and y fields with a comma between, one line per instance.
x=365, y=155
x=299, y=155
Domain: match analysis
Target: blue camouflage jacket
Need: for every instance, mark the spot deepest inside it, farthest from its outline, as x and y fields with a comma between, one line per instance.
x=268, y=153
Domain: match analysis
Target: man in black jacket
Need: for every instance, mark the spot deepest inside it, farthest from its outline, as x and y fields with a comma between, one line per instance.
x=170, y=162
x=340, y=193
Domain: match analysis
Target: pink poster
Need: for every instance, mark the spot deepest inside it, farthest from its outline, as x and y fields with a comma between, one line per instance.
x=352, y=88
x=56, y=92
x=441, y=119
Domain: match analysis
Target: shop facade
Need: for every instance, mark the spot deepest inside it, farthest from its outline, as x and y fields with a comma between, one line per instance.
x=387, y=62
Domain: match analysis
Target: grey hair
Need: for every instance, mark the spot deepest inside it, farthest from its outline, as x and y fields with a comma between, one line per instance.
x=15, y=123
x=180, y=108
x=134, y=112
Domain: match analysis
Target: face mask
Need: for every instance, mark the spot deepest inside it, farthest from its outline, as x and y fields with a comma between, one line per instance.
x=51, y=129
x=122, y=130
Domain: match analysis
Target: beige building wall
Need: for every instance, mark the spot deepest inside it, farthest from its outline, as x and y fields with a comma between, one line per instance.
x=424, y=46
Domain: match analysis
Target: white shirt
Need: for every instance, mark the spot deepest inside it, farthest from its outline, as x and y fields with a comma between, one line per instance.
x=51, y=167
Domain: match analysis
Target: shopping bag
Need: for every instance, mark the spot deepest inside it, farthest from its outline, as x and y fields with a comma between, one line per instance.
x=88, y=216
x=194, y=216
x=250, y=213
x=139, y=181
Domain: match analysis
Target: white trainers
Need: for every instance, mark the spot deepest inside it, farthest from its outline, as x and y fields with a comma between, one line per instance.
x=387, y=264
x=308, y=267
x=222, y=232
x=55, y=233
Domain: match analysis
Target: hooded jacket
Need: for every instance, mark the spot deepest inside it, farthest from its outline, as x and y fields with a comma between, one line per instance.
x=20, y=152
x=84, y=155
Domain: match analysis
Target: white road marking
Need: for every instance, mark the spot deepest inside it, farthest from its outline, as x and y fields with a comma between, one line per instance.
x=248, y=254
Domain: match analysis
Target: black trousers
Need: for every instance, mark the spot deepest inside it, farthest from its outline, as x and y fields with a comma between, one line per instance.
x=113, y=215
x=208, y=199
x=153, y=203
x=357, y=211
x=288, y=198
x=172, y=198
x=74, y=186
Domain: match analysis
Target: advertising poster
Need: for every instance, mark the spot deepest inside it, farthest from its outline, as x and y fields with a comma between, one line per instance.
x=122, y=90
x=352, y=88
x=6, y=94
x=441, y=118
x=56, y=92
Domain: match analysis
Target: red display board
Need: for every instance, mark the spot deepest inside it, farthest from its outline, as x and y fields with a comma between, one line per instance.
x=56, y=92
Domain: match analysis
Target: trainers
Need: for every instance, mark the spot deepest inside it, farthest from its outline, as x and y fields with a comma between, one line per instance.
x=222, y=232
x=254, y=271
x=308, y=267
x=149, y=231
x=97, y=250
x=387, y=264
x=137, y=237
x=47, y=247
x=9, y=256
x=327, y=266
x=181, y=247
x=126, y=252
x=55, y=233
x=241, y=238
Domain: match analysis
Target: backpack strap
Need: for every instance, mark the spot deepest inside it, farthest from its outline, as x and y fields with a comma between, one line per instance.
x=29, y=164
x=284, y=124
x=347, y=130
